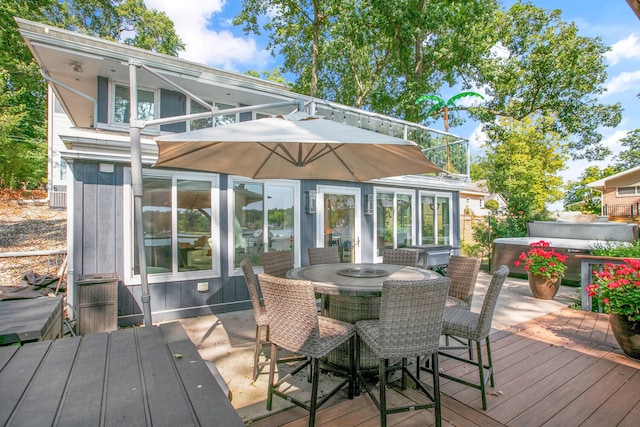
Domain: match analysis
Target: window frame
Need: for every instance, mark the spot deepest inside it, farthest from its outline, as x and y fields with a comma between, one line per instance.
x=395, y=192
x=128, y=227
x=435, y=195
x=231, y=200
x=636, y=191
x=112, y=106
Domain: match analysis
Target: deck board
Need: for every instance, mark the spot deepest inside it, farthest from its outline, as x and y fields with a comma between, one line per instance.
x=564, y=368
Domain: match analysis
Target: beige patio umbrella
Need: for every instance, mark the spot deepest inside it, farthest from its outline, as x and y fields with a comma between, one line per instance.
x=293, y=146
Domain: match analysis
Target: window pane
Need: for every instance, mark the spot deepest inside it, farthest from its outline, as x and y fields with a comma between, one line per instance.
x=121, y=107
x=404, y=218
x=280, y=214
x=145, y=105
x=156, y=219
x=248, y=222
x=444, y=228
x=195, y=251
x=226, y=119
x=200, y=123
x=428, y=220
x=384, y=221
x=626, y=191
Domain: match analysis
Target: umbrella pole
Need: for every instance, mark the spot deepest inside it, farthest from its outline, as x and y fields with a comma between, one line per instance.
x=136, y=184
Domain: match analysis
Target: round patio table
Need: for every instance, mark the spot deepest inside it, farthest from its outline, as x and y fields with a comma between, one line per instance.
x=352, y=292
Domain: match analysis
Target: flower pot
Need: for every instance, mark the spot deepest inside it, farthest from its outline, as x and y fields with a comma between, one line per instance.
x=627, y=333
x=543, y=287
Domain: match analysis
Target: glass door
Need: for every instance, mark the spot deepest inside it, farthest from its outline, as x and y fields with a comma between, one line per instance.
x=339, y=211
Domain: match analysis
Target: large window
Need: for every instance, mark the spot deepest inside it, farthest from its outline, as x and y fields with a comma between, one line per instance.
x=122, y=107
x=179, y=215
x=394, y=219
x=436, y=219
x=262, y=218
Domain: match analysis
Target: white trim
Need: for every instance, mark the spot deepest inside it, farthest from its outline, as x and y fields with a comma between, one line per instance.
x=435, y=195
x=295, y=185
x=127, y=238
x=357, y=232
x=395, y=192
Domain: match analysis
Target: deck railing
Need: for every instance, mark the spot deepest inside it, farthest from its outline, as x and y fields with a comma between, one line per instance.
x=630, y=210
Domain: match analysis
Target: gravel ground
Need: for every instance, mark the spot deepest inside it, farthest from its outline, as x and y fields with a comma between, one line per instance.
x=28, y=225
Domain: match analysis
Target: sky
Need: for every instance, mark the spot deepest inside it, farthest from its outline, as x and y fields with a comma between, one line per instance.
x=211, y=38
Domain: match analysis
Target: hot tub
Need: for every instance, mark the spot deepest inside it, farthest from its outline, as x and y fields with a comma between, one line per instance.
x=568, y=238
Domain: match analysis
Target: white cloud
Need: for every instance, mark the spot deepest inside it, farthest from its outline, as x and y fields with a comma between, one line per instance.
x=625, y=48
x=214, y=47
x=477, y=139
x=628, y=80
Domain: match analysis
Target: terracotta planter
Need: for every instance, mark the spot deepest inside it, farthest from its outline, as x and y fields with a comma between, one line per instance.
x=544, y=287
x=627, y=333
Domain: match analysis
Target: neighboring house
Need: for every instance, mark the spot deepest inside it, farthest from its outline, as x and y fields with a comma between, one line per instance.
x=199, y=226
x=620, y=195
x=472, y=207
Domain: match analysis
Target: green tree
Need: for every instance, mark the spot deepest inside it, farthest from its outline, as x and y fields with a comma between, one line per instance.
x=297, y=30
x=580, y=198
x=629, y=158
x=521, y=162
x=540, y=66
x=273, y=75
x=23, y=92
x=383, y=55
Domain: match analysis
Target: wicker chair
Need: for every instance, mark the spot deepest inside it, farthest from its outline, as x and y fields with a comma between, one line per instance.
x=474, y=327
x=328, y=255
x=408, y=257
x=463, y=272
x=409, y=326
x=259, y=314
x=277, y=263
x=294, y=325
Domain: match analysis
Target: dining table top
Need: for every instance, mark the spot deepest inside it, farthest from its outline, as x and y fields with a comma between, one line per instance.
x=357, y=279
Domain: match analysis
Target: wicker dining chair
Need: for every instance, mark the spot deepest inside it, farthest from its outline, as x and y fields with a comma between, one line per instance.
x=474, y=327
x=259, y=314
x=277, y=263
x=328, y=255
x=463, y=272
x=294, y=325
x=409, y=326
x=408, y=257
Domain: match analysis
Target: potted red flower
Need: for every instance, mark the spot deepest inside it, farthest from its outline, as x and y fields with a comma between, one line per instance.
x=618, y=288
x=545, y=268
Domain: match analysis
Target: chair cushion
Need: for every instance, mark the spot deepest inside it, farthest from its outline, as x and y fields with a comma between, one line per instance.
x=332, y=334
x=460, y=323
x=456, y=303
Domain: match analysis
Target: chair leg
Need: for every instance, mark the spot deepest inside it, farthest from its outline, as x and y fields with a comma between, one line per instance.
x=436, y=389
x=256, y=353
x=481, y=373
x=313, y=404
x=272, y=370
x=404, y=373
x=490, y=361
x=382, y=379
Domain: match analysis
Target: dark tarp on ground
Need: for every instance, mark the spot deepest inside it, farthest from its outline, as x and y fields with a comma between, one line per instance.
x=33, y=285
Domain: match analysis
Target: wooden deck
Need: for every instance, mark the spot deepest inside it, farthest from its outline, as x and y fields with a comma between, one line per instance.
x=562, y=369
